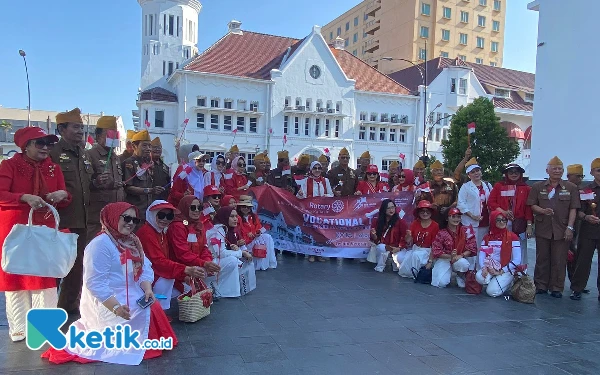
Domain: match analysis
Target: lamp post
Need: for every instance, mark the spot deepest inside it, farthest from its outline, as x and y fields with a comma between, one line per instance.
x=22, y=53
x=423, y=71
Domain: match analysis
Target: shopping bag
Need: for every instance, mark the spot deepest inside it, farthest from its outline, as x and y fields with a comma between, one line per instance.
x=38, y=250
x=247, y=278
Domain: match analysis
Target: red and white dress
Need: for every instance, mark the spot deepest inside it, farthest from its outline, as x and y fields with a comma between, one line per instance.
x=253, y=233
x=366, y=187
x=314, y=187
x=419, y=254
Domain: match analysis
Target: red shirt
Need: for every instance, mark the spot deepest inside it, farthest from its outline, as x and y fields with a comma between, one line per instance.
x=511, y=197
x=366, y=188
x=249, y=227
x=232, y=184
x=394, y=236
x=445, y=243
x=188, y=253
x=423, y=237
x=156, y=249
x=180, y=188
x=16, y=179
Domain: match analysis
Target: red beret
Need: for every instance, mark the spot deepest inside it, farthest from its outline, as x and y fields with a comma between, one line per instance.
x=23, y=136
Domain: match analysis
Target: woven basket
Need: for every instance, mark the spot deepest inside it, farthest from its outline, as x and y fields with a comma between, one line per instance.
x=195, y=308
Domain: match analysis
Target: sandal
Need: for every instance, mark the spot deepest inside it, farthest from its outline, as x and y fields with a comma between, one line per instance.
x=16, y=337
x=311, y=259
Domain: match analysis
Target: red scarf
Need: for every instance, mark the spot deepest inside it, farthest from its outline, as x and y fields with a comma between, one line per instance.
x=310, y=186
x=39, y=182
x=504, y=235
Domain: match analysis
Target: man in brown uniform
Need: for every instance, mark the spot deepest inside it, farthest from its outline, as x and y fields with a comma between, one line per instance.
x=419, y=172
x=138, y=174
x=162, y=172
x=259, y=177
x=128, y=147
x=107, y=180
x=301, y=169
x=234, y=152
x=282, y=175
x=445, y=193
x=554, y=203
x=77, y=169
x=364, y=161
x=575, y=176
x=589, y=236
x=324, y=160
x=343, y=179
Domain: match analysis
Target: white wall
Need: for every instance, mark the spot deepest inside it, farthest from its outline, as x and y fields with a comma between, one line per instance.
x=566, y=79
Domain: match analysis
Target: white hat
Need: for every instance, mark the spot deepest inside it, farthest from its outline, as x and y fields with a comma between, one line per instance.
x=196, y=155
x=471, y=167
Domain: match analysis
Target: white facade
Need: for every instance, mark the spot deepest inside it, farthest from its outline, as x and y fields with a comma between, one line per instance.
x=169, y=37
x=458, y=86
x=565, y=124
x=263, y=109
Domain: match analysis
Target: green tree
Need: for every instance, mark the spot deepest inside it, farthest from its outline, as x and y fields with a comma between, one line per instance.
x=490, y=143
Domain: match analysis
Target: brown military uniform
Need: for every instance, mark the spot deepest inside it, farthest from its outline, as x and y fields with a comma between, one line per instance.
x=258, y=178
x=360, y=174
x=276, y=178
x=589, y=241
x=445, y=195
x=162, y=177
x=347, y=178
x=125, y=155
x=110, y=192
x=78, y=171
x=551, y=247
x=145, y=181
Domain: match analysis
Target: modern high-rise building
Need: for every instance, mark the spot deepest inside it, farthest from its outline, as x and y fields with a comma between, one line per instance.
x=471, y=30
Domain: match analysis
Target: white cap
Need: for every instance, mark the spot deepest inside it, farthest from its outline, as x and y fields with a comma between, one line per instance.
x=471, y=167
x=196, y=155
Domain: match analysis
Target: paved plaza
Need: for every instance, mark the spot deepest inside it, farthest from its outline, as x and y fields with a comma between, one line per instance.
x=343, y=318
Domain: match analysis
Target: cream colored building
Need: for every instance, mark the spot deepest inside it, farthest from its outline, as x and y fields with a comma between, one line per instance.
x=472, y=30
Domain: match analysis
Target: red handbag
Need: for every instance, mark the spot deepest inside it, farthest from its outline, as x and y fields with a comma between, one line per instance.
x=259, y=251
x=471, y=284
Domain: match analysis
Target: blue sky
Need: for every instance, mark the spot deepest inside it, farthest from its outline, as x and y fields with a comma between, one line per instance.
x=87, y=53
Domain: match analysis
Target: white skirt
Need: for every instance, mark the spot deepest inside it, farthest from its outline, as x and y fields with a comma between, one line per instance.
x=415, y=258
x=227, y=282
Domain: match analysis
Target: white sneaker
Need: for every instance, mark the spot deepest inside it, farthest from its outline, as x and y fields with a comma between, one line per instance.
x=460, y=281
x=379, y=268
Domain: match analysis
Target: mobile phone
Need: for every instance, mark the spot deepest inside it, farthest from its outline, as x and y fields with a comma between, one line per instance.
x=142, y=302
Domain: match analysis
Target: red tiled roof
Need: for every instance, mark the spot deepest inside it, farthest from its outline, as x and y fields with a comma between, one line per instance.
x=159, y=94
x=254, y=55
x=487, y=75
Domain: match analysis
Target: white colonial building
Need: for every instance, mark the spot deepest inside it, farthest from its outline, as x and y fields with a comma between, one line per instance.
x=455, y=83
x=266, y=92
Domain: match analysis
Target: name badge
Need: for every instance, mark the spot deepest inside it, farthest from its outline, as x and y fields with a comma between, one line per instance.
x=507, y=193
x=286, y=172
x=192, y=238
x=564, y=192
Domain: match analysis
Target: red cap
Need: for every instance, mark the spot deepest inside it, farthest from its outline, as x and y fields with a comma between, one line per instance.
x=454, y=211
x=211, y=190
x=421, y=205
x=23, y=136
x=372, y=168
x=165, y=206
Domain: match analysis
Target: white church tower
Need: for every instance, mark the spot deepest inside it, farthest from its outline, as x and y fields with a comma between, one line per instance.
x=169, y=37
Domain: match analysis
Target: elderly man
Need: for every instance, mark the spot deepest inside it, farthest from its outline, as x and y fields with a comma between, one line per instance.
x=107, y=180
x=70, y=156
x=281, y=176
x=138, y=173
x=589, y=235
x=555, y=203
x=233, y=153
x=324, y=160
x=301, y=169
x=343, y=179
x=419, y=172
x=363, y=161
x=390, y=177
x=128, y=147
x=162, y=172
x=574, y=175
x=444, y=192
x=259, y=177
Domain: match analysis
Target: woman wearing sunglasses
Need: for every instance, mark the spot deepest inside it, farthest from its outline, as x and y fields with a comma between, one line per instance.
x=186, y=237
x=371, y=184
x=509, y=197
x=499, y=255
x=236, y=181
x=153, y=236
x=216, y=175
x=29, y=180
x=314, y=185
x=227, y=250
x=254, y=235
x=451, y=251
x=117, y=274
x=388, y=233
x=404, y=180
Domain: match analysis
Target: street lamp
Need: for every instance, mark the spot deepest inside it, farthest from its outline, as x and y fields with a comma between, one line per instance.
x=22, y=53
x=423, y=71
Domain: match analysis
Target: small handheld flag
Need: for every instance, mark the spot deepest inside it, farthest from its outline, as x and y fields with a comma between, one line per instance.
x=147, y=123
x=471, y=128
x=112, y=138
x=185, y=172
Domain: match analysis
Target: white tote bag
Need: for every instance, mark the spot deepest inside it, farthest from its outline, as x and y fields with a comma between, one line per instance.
x=247, y=278
x=38, y=250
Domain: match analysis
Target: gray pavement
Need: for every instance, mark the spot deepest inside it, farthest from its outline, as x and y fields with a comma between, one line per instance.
x=341, y=317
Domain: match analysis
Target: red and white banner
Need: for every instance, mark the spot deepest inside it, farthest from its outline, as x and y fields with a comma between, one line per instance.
x=330, y=227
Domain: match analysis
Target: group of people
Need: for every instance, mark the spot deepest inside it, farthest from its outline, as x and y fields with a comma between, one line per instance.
x=144, y=232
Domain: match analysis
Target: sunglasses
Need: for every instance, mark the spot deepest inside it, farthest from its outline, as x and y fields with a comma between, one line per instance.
x=371, y=173
x=163, y=216
x=514, y=171
x=41, y=143
x=402, y=176
x=195, y=207
x=501, y=220
x=220, y=163
x=241, y=165
x=318, y=168
x=128, y=219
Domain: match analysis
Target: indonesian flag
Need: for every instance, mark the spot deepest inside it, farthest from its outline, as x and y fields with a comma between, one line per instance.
x=186, y=121
x=270, y=130
x=587, y=195
x=147, y=123
x=140, y=172
x=284, y=138
x=326, y=150
x=90, y=139
x=470, y=231
x=402, y=157
x=471, y=128
x=185, y=172
x=234, y=131
x=424, y=188
x=112, y=138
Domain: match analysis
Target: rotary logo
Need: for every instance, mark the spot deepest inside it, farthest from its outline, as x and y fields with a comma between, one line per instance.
x=337, y=206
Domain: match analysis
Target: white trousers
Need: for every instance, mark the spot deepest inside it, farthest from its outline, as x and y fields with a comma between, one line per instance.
x=414, y=258
x=382, y=257
x=19, y=302
x=271, y=260
x=442, y=271
x=496, y=285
